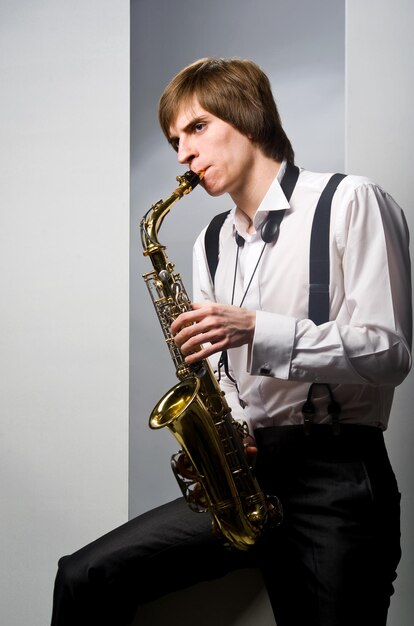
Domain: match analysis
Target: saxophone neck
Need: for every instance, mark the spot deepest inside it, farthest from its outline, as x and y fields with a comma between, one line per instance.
x=151, y=222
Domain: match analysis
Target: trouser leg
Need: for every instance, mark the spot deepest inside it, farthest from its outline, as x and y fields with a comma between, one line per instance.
x=335, y=555
x=331, y=563
x=166, y=549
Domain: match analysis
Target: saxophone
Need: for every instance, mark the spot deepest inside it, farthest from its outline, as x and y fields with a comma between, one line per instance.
x=211, y=467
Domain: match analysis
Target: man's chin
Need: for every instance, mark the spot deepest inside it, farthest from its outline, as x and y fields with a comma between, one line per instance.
x=212, y=190
x=214, y=193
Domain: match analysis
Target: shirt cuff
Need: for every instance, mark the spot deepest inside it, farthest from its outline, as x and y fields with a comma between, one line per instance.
x=272, y=347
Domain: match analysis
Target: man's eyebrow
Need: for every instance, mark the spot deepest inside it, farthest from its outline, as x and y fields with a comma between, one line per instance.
x=195, y=120
x=173, y=140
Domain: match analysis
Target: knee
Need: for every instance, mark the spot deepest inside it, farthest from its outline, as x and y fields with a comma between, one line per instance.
x=68, y=592
x=68, y=574
x=73, y=574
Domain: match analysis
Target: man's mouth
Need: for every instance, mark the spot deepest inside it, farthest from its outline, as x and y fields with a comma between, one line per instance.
x=201, y=173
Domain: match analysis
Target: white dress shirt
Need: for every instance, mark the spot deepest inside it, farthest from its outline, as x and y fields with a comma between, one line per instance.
x=363, y=352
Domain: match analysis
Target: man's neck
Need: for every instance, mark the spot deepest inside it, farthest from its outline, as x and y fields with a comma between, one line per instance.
x=250, y=196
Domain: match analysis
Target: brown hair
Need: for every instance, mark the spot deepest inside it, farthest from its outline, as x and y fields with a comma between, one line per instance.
x=235, y=90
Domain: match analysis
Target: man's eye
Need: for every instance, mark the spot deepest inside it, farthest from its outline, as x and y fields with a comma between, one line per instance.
x=199, y=127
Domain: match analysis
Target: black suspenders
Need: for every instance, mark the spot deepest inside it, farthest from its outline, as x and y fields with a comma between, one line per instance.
x=319, y=254
x=318, y=308
x=319, y=271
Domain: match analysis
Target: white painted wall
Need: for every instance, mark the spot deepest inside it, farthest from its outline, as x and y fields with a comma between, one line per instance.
x=379, y=143
x=64, y=246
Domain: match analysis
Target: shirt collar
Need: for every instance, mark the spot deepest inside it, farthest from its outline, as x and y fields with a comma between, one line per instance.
x=274, y=200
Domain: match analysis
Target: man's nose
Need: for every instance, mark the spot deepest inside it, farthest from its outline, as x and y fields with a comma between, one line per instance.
x=186, y=151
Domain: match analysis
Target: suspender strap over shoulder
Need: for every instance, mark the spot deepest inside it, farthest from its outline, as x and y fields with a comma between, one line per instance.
x=319, y=254
x=319, y=273
x=289, y=180
x=211, y=241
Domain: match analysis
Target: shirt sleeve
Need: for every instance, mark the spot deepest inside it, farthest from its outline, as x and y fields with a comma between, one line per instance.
x=368, y=339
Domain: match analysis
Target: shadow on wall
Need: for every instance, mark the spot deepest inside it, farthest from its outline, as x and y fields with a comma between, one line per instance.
x=239, y=599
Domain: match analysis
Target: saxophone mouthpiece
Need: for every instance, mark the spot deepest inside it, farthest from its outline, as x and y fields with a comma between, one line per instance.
x=193, y=178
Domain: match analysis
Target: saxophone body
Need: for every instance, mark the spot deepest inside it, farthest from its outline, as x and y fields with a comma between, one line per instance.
x=211, y=467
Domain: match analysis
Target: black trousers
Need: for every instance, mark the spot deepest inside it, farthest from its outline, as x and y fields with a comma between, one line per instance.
x=332, y=562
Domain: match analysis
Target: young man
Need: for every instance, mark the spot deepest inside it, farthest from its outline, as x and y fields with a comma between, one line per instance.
x=313, y=375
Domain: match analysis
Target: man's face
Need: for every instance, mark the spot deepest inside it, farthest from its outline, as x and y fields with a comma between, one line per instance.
x=206, y=143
